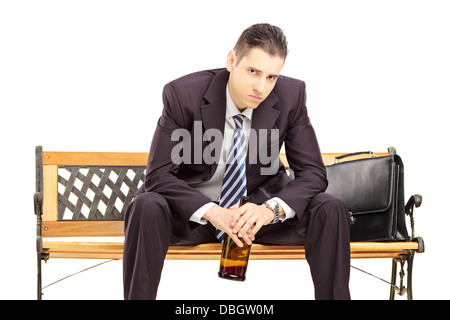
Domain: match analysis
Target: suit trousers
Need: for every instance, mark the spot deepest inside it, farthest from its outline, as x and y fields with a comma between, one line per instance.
x=324, y=230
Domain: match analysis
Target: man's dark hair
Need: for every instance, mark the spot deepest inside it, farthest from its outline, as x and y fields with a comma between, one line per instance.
x=265, y=36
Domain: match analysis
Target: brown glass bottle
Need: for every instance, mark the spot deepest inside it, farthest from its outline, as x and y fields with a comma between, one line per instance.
x=234, y=260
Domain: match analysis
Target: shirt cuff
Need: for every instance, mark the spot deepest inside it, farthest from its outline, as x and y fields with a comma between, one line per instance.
x=289, y=213
x=197, y=216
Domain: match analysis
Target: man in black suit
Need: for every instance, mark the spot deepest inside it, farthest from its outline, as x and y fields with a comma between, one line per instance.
x=178, y=201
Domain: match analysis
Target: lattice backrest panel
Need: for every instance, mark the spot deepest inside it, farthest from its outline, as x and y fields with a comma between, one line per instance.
x=97, y=193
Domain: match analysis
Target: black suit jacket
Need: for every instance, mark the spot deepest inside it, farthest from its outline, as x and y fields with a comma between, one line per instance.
x=201, y=97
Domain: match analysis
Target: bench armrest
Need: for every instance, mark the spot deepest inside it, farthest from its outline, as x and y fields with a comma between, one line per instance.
x=38, y=200
x=414, y=201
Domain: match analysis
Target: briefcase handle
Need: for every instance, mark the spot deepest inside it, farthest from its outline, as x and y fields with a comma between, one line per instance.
x=336, y=159
x=391, y=150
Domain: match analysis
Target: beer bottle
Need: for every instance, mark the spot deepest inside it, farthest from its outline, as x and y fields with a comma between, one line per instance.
x=234, y=260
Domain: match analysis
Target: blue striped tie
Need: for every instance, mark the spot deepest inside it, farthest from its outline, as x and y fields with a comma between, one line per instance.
x=234, y=179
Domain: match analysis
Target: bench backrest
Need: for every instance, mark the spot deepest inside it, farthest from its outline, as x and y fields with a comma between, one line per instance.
x=87, y=193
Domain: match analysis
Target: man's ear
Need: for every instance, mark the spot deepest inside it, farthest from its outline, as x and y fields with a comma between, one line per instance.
x=231, y=60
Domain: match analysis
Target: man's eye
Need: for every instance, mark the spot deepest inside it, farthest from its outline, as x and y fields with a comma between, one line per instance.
x=252, y=71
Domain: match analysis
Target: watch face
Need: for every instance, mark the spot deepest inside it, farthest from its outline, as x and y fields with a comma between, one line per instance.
x=272, y=204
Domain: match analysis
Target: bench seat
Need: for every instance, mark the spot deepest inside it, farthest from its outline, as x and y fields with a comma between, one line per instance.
x=212, y=251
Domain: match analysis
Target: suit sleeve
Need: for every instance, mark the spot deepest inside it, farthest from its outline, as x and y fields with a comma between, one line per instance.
x=161, y=173
x=305, y=159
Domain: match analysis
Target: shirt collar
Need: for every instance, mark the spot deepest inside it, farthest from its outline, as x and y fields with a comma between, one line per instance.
x=232, y=110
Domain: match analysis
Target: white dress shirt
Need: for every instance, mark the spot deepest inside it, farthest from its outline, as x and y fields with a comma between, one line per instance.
x=212, y=188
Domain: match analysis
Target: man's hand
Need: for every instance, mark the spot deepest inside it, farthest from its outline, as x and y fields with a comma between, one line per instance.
x=221, y=219
x=248, y=219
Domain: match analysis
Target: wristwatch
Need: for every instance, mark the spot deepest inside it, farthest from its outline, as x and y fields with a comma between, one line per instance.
x=273, y=205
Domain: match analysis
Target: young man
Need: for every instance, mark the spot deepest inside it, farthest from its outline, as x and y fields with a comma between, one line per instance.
x=246, y=110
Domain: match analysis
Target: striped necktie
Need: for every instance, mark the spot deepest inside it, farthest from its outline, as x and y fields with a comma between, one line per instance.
x=234, y=179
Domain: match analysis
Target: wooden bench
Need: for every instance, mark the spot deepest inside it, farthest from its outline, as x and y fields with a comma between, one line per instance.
x=85, y=194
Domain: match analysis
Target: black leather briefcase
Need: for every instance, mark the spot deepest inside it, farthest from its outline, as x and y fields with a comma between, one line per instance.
x=373, y=191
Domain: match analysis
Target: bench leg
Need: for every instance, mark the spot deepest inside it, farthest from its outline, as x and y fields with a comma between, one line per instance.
x=402, y=259
x=393, y=279
x=41, y=253
x=41, y=256
x=410, y=259
x=39, y=276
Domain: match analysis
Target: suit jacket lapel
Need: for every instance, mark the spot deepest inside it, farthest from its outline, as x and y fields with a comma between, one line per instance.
x=214, y=111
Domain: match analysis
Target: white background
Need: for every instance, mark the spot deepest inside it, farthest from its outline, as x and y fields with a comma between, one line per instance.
x=88, y=75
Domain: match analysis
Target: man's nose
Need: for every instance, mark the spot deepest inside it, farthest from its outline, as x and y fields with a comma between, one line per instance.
x=260, y=85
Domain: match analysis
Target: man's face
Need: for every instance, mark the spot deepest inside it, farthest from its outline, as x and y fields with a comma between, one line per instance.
x=252, y=80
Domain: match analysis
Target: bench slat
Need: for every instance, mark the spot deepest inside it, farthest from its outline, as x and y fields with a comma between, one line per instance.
x=139, y=158
x=212, y=251
x=95, y=158
x=89, y=228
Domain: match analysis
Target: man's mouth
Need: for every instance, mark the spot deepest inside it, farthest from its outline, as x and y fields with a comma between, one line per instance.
x=255, y=98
